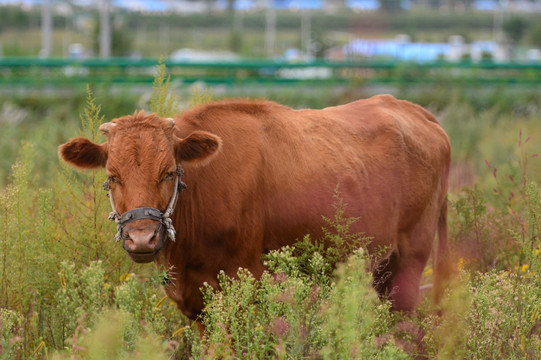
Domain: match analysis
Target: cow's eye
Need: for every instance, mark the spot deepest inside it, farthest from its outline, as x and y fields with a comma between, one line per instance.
x=113, y=179
x=169, y=176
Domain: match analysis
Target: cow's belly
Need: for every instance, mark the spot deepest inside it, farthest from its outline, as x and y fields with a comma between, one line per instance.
x=294, y=214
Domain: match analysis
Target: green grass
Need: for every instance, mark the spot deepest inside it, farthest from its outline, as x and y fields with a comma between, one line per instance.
x=68, y=291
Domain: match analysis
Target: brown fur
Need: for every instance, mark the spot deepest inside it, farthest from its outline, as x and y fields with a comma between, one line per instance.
x=261, y=175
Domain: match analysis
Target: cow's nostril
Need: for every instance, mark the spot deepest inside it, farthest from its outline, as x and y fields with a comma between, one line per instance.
x=141, y=239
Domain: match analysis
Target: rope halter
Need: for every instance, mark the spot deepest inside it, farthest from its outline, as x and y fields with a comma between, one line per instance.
x=147, y=212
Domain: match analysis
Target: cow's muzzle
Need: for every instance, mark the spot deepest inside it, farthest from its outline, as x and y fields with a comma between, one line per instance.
x=143, y=240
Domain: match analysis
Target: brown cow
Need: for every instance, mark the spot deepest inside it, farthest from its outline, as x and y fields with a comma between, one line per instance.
x=260, y=175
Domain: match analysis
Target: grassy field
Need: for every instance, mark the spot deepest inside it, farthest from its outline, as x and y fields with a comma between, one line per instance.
x=67, y=290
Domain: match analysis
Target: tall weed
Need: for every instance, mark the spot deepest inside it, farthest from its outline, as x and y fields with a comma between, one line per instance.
x=107, y=341
x=86, y=300
x=300, y=307
x=163, y=100
x=497, y=312
x=489, y=221
x=291, y=314
x=354, y=315
x=487, y=314
x=60, y=268
x=82, y=205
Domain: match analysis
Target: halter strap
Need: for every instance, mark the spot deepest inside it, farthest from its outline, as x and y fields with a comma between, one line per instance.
x=146, y=212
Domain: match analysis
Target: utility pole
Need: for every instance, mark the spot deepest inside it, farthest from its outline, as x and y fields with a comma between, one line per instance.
x=46, y=29
x=164, y=36
x=306, y=32
x=502, y=52
x=105, y=28
x=270, y=29
x=497, y=32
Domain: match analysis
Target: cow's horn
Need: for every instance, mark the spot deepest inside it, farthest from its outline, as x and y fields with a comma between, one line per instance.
x=172, y=121
x=105, y=127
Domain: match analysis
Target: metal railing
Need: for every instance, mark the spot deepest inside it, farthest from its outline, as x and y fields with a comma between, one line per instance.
x=61, y=71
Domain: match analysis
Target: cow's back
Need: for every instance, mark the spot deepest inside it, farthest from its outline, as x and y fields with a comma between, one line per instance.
x=283, y=166
x=407, y=144
x=380, y=154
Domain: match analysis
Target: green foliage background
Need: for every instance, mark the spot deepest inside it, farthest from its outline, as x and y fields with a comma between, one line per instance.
x=68, y=291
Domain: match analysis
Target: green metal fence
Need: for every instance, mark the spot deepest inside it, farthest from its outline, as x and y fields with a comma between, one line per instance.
x=61, y=71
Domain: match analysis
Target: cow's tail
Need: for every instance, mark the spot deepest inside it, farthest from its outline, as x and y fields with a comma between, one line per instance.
x=443, y=268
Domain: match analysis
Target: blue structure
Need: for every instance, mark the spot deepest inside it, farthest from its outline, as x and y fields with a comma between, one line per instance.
x=485, y=5
x=406, y=51
x=297, y=4
x=363, y=4
x=242, y=5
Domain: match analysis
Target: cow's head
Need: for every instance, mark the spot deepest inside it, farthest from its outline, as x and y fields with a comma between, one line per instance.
x=141, y=157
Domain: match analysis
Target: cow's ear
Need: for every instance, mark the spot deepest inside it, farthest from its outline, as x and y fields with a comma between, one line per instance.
x=198, y=148
x=83, y=153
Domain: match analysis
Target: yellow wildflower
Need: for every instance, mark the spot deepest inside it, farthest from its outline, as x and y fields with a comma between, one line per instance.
x=126, y=277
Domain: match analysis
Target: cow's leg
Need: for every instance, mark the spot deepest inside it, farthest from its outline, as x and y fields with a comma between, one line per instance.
x=404, y=292
x=413, y=250
x=200, y=327
x=398, y=277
